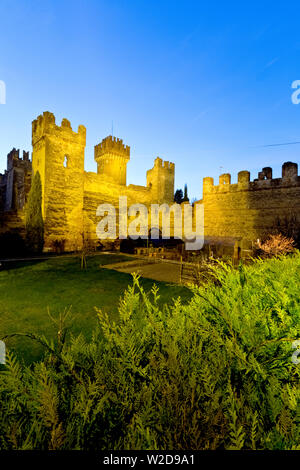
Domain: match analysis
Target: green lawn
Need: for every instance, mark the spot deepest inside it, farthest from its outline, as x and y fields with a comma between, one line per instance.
x=29, y=288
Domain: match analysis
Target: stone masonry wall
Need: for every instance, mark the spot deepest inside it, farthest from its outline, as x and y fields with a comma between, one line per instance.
x=251, y=209
x=58, y=154
x=71, y=196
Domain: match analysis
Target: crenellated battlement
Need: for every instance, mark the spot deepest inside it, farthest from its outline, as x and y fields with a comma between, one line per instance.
x=248, y=209
x=112, y=156
x=112, y=146
x=16, y=180
x=161, y=180
x=15, y=161
x=252, y=209
x=159, y=163
x=70, y=196
x=45, y=125
x=263, y=181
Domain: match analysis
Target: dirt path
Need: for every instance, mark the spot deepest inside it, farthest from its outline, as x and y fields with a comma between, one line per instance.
x=159, y=271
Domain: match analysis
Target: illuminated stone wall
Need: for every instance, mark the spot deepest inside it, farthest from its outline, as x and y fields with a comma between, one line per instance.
x=251, y=209
x=247, y=209
x=71, y=195
x=58, y=155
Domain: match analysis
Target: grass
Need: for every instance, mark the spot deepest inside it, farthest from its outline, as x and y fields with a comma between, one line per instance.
x=29, y=288
x=212, y=373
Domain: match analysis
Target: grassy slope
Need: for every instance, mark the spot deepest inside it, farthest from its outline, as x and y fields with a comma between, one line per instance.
x=27, y=289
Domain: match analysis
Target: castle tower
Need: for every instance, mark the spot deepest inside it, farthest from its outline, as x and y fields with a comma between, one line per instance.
x=112, y=156
x=161, y=181
x=17, y=179
x=58, y=155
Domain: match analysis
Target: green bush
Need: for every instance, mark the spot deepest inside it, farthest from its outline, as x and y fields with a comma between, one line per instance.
x=213, y=374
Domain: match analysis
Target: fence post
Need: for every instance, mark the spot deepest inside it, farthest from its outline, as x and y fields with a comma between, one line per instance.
x=181, y=267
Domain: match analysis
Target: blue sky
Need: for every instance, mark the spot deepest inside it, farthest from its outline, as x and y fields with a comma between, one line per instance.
x=202, y=84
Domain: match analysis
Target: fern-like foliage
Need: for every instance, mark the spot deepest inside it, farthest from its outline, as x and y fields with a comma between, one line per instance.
x=215, y=373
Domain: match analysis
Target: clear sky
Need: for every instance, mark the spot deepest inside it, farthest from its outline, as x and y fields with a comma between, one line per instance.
x=203, y=84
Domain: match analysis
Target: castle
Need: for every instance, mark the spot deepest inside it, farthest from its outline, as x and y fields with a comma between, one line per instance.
x=246, y=210
x=70, y=195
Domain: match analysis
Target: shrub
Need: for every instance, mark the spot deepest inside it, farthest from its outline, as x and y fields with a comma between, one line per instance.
x=276, y=245
x=213, y=374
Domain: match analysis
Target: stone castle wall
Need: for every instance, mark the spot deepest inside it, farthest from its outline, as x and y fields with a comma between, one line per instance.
x=15, y=182
x=71, y=195
x=246, y=210
x=251, y=209
x=98, y=190
x=58, y=155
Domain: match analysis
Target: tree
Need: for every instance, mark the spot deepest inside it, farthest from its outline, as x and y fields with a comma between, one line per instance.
x=178, y=196
x=185, y=197
x=34, y=224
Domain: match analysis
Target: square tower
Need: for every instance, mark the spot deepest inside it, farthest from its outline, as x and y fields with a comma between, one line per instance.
x=112, y=156
x=161, y=181
x=58, y=155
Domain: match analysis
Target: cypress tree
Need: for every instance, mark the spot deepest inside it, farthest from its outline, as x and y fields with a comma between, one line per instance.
x=34, y=224
x=185, y=197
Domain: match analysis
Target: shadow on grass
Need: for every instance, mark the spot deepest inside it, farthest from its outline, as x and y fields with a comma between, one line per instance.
x=16, y=264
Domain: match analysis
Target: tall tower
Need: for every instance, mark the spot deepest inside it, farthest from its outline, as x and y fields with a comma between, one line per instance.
x=17, y=180
x=161, y=181
x=58, y=155
x=112, y=156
